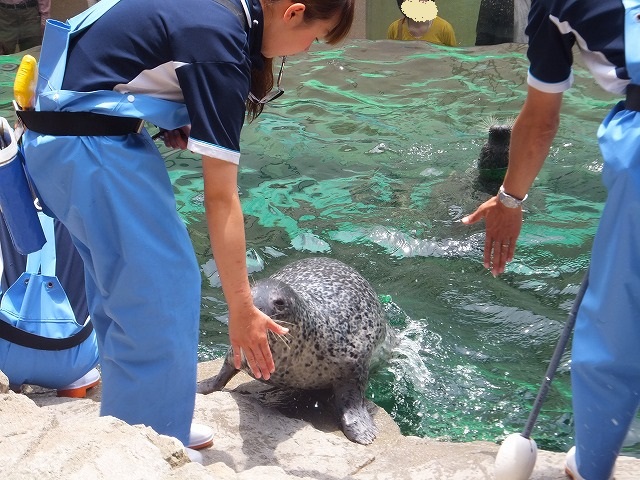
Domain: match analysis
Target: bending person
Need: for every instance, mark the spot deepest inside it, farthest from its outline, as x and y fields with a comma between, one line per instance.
x=192, y=67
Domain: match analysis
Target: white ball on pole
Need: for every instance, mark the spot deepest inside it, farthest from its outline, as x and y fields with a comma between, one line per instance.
x=516, y=458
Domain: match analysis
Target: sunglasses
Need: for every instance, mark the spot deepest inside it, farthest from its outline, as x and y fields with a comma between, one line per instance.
x=273, y=94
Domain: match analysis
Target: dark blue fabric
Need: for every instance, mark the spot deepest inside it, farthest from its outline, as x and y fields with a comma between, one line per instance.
x=597, y=24
x=203, y=52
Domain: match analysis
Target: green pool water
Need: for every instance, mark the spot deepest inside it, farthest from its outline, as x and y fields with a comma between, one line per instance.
x=370, y=158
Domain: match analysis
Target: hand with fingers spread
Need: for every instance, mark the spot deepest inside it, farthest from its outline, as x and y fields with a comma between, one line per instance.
x=503, y=226
x=248, y=335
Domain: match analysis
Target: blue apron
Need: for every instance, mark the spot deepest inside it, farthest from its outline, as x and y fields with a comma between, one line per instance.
x=605, y=369
x=114, y=195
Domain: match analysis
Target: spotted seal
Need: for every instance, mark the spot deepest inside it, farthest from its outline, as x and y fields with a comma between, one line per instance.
x=495, y=152
x=335, y=322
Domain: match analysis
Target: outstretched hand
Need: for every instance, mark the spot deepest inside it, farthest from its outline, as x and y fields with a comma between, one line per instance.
x=248, y=334
x=502, y=230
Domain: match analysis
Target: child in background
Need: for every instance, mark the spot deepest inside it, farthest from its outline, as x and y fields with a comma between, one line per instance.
x=420, y=22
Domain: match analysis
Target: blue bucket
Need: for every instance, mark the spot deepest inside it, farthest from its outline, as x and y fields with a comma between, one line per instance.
x=16, y=200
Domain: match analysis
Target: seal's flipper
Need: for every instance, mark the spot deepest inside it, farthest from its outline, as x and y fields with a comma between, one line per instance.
x=217, y=383
x=357, y=423
x=287, y=400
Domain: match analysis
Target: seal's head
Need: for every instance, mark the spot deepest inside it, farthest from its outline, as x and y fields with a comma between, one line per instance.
x=274, y=298
x=494, y=156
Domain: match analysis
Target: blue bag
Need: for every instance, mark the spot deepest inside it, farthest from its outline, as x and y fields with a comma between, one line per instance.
x=41, y=342
x=16, y=200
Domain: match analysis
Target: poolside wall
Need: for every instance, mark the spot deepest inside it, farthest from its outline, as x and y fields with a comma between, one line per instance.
x=372, y=16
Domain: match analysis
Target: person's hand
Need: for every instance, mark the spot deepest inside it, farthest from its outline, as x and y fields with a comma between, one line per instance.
x=248, y=332
x=177, y=138
x=502, y=230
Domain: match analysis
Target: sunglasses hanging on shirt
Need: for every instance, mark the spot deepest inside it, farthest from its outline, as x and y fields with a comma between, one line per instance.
x=273, y=94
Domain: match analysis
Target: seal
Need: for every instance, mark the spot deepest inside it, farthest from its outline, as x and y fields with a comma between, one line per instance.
x=495, y=152
x=336, y=325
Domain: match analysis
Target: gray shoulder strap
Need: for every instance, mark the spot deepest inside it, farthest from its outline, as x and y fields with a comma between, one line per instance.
x=244, y=17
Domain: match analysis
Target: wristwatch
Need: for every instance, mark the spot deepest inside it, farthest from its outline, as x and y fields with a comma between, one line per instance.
x=509, y=201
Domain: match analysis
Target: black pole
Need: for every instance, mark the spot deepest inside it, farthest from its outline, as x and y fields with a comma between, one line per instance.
x=555, y=359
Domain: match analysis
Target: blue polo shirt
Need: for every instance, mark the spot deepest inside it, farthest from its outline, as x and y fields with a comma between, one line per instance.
x=197, y=52
x=595, y=26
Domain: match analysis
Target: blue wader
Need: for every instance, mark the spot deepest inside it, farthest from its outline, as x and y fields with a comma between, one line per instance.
x=114, y=196
x=605, y=367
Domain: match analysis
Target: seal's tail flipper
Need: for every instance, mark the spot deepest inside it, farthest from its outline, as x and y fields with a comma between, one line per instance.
x=357, y=423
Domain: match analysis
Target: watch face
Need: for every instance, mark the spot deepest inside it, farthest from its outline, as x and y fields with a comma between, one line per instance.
x=508, y=201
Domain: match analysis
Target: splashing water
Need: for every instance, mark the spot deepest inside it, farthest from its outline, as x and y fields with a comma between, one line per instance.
x=370, y=158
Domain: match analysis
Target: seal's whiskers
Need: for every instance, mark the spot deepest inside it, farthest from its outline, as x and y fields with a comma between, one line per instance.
x=282, y=322
x=286, y=338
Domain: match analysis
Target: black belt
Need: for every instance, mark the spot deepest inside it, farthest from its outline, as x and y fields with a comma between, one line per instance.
x=78, y=124
x=30, y=340
x=20, y=6
x=633, y=97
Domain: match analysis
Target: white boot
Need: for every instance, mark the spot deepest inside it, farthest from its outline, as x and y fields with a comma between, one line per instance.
x=78, y=389
x=571, y=467
x=200, y=437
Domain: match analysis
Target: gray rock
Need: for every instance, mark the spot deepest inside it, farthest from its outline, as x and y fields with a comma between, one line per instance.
x=46, y=437
x=4, y=382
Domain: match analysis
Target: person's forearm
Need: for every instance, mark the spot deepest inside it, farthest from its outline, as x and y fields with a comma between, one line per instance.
x=531, y=137
x=226, y=231
x=528, y=151
x=248, y=326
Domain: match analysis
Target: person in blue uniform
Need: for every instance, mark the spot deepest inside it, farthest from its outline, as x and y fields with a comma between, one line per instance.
x=21, y=24
x=605, y=368
x=195, y=68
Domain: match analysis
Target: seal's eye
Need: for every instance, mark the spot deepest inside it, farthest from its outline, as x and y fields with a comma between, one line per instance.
x=278, y=303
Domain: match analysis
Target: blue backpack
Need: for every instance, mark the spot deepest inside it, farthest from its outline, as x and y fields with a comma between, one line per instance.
x=41, y=341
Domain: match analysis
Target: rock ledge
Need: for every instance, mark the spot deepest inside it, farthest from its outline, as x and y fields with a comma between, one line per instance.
x=46, y=437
